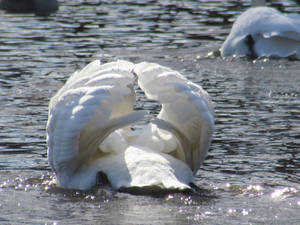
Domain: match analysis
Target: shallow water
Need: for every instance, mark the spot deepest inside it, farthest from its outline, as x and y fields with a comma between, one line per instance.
x=252, y=172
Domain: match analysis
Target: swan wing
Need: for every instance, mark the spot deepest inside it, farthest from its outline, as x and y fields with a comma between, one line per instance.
x=94, y=102
x=282, y=25
x=279, y=34
x=186, y=109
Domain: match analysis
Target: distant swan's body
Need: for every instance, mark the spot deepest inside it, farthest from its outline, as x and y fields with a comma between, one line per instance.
x=263, y=31
x=88, y=129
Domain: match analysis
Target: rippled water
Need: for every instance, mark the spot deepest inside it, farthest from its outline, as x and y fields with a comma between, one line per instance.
x=252, y=172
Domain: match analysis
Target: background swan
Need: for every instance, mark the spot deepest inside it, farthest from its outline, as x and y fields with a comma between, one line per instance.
x=264, y=31
x=29, y=6
x=88, y=129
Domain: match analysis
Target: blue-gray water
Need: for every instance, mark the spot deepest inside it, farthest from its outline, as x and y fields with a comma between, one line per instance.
x=252, y=172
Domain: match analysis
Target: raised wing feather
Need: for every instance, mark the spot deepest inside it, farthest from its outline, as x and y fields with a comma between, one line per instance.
x=95, y=70
x=93, y=103
x=186, y=108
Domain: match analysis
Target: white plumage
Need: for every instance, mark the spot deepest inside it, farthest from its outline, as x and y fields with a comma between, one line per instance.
x=88, y=129
x=263, y=31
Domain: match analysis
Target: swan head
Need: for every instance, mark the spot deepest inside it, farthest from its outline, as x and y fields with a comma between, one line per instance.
x=234, y=46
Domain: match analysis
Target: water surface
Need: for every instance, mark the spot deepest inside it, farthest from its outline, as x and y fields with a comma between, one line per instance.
x=251, y=175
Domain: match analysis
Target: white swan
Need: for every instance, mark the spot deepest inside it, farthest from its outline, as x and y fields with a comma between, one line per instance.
x=264, y=31
x=88, y=129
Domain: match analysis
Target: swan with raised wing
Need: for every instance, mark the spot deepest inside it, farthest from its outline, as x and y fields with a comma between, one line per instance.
x=90, y=133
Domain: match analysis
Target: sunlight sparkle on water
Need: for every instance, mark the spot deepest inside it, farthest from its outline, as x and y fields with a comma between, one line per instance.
x=169, y=197
x=231, y=211
x=187, y=201
x=256, y=187
x=279, y=193
x=245, y=212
